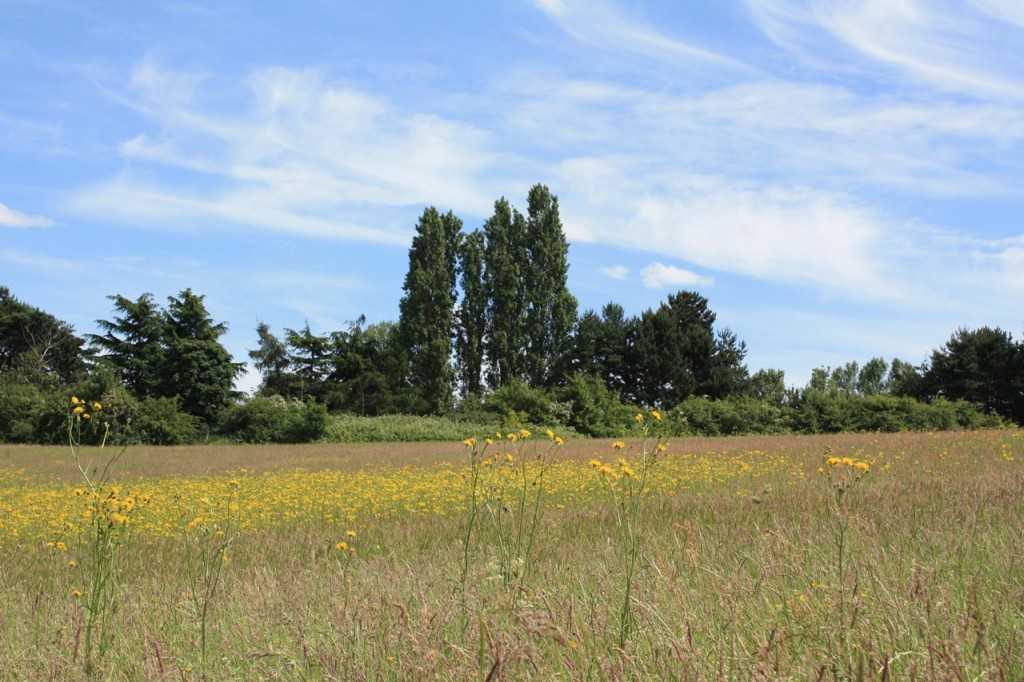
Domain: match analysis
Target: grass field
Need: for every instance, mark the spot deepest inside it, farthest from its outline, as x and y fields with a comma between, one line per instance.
x=743, y=558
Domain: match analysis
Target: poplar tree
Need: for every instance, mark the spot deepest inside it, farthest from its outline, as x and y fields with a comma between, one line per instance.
x=472, y=314
x=505, y=256
x=550, y=308
x=426, y=311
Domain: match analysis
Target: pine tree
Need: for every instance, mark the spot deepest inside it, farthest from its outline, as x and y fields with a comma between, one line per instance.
x=196, y=367
x=133, y=344
x=426, y=311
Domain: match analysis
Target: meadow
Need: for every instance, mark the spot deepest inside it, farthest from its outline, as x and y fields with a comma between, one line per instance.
x=871, y=556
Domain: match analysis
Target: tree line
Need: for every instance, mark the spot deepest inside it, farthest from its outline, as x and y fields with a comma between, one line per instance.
x=487, y=329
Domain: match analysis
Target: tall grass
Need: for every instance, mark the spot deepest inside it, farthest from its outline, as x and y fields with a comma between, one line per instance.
x=736, y=577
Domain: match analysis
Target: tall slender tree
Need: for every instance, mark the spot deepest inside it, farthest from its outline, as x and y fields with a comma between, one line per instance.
x=471, y=317
x=426, y=311
x=505, y=258
x=550, y=308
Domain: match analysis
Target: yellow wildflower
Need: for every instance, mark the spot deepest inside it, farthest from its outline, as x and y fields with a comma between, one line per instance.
x=618, y=445
x=639, y=418
x=656, y=415
x=469, y=442
x=350, y=533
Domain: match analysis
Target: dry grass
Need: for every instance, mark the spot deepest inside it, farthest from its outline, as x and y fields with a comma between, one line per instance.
x=738, y=577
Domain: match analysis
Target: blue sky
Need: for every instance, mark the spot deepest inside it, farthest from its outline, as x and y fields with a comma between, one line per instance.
x=840, y=179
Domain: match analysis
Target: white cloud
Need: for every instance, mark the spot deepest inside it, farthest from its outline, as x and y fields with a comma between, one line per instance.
x=939, y=43
x=303, y=155
x=619, y=272
x=603, y=24
x=11, y=218
x=659, y=275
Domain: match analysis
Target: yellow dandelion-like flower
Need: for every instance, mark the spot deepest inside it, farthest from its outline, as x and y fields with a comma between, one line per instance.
x=550, y=434
x=97, y=406
x=72, y=563
x=78, y=492
x=863, y=466
x=489, y=441
x=513, y=437
x=525, y=434
x=61, y=546
x=76, y=593
x=341, y=546
x=350, y=533
x=656, y=415
x=509, y=457
x=594, y=463
x=833, y=461
x=662, y=447
x=78, y=410
x=469, y=442
x=559, y=440
x=87, y=416
x=639, y=418
x=618, y=445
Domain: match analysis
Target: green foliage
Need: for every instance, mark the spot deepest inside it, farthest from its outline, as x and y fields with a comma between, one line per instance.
x=983, y=366
x=396, y=428
x=31, y=414
x=595, y=410
x=732, y=416
x=37, y=346
x=133, y=343
x=274, y=419
x=517, y=404
x=427, y=310
x=471, y=318
x=678, y=354
x=504, y=262
x=172, y=353
x=550, y=308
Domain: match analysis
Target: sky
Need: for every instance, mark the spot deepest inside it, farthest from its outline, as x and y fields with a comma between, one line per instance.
x=841, y=179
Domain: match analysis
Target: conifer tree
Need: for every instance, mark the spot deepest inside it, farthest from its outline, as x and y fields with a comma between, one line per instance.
x=196, y=367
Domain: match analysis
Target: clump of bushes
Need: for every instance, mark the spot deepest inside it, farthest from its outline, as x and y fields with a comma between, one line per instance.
x=274, y=419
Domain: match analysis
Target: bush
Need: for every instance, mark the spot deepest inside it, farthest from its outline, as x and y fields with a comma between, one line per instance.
x=516, y=404
x=31, y=414
x=594, y=410
x=403, y=428
x=274, y=419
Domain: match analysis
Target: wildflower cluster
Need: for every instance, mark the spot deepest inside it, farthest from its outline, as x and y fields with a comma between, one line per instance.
x=506, y=489
x=627, y=484
x=843, y=473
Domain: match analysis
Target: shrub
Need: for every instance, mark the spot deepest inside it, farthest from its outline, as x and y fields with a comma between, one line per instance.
x=274, y=419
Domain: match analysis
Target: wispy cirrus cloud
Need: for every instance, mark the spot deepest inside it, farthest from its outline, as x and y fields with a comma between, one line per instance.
x=944, y=44
x=301, y=156
x=608, y=25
